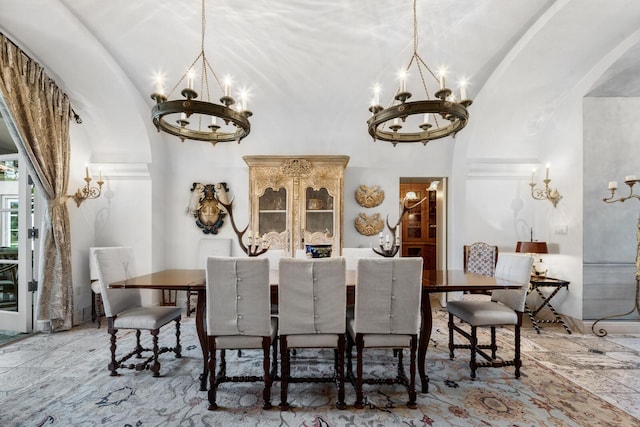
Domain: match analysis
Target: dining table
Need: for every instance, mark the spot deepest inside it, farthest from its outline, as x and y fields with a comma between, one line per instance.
x=433, y=281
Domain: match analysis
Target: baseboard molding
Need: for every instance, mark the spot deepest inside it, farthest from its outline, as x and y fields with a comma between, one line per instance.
x=612, y=327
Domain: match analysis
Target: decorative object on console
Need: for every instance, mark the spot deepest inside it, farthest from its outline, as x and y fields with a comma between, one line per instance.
x=533, y=247
x=204, y=205
x=255, y=245
x=201, y=120
x=547, y=194
x=318, y=251
x=87, y=192
x=369, y=197
x=630, y=180
x=369, y=225
x=430, y=119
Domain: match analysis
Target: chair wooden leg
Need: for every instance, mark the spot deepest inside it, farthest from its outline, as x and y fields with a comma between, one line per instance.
x=494, y=346
x=517, y=361
x=155, y=367
x=113, y=366
x=359, y=404
x=266, y=391
x=284, y=373
x=349, y=358
x=139, y=348
x=451, y=326
x=412, y=374
x=274, y=360
x=340, y=404
x=178, y=349
x=212, y=374
x=474, y=344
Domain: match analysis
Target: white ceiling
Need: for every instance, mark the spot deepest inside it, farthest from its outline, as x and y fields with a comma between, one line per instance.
x=307, y=64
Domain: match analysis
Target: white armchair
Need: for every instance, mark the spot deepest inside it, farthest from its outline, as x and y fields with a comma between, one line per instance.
x=124, y=310
x=505, y=308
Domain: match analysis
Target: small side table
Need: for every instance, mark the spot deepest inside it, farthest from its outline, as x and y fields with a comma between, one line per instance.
x=546, y=282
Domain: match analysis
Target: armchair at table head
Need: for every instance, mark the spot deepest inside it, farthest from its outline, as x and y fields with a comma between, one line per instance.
x=387, y=315
x=239, y=318
x=505, y=308
x=312, y=308
x=480, y=258
x=124, y=310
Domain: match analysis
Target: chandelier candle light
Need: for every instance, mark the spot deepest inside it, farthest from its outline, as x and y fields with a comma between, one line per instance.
x=201, y=120
x=418, y=121
x=547, y=193
x=630, y=180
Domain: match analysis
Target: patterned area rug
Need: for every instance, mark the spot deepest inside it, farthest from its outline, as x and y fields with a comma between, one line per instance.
x=62, y=379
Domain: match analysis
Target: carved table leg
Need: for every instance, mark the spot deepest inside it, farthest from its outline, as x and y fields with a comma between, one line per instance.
x=201, y=329
x=425, y=336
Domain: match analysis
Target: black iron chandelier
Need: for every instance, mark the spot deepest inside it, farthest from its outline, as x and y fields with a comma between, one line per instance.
x=203, y=120
x=418, y=121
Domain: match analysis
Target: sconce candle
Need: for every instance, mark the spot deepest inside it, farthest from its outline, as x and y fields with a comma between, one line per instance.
x=87, y=191
x=547, y=193
x=613, y=185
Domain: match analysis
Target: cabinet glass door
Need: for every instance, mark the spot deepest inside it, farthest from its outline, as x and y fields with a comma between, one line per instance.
x=319, y=212
x=272, y=210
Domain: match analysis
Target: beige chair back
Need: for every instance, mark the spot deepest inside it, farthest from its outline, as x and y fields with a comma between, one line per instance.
x=238, y=296
x=312, y=296
x=388, y=296
x=513, y=268
x=113, y=265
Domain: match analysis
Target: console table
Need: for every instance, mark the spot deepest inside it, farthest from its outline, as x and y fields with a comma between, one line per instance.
x=546, y=282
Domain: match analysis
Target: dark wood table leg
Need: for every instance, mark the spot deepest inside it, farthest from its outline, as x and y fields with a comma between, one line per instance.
x=201, y=329
x=425, y=336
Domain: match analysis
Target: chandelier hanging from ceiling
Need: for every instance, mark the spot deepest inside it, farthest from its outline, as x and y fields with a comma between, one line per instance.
x=418, y=121
x=202, y=120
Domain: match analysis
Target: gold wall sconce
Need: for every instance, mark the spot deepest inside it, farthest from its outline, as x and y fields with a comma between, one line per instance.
x=547, y=193
x=88, y=192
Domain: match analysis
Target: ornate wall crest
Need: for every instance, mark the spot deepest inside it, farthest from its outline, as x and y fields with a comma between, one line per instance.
x=369, y=197
x=369, y=225
x=205, y=207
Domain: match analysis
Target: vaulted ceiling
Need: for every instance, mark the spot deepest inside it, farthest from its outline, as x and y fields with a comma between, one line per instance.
x=307, y=64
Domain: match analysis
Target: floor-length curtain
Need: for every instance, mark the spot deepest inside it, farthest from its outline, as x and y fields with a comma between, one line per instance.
x=40, y=113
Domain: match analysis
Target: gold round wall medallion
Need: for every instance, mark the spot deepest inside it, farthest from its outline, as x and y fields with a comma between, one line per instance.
x=369, y=225
x=369, y=197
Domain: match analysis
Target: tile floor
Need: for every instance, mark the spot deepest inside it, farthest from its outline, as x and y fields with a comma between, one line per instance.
x=606, y=366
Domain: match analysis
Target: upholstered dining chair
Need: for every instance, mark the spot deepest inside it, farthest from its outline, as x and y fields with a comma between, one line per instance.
x=505, y=308
x=123, y=310
x=239, y=317
x=312, y=308
x=387, y=315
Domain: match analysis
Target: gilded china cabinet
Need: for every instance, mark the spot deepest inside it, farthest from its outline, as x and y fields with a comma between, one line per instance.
x=297, y=200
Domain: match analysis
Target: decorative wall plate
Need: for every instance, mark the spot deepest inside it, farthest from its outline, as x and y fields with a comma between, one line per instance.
x=369, y=225
x=369, y=197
